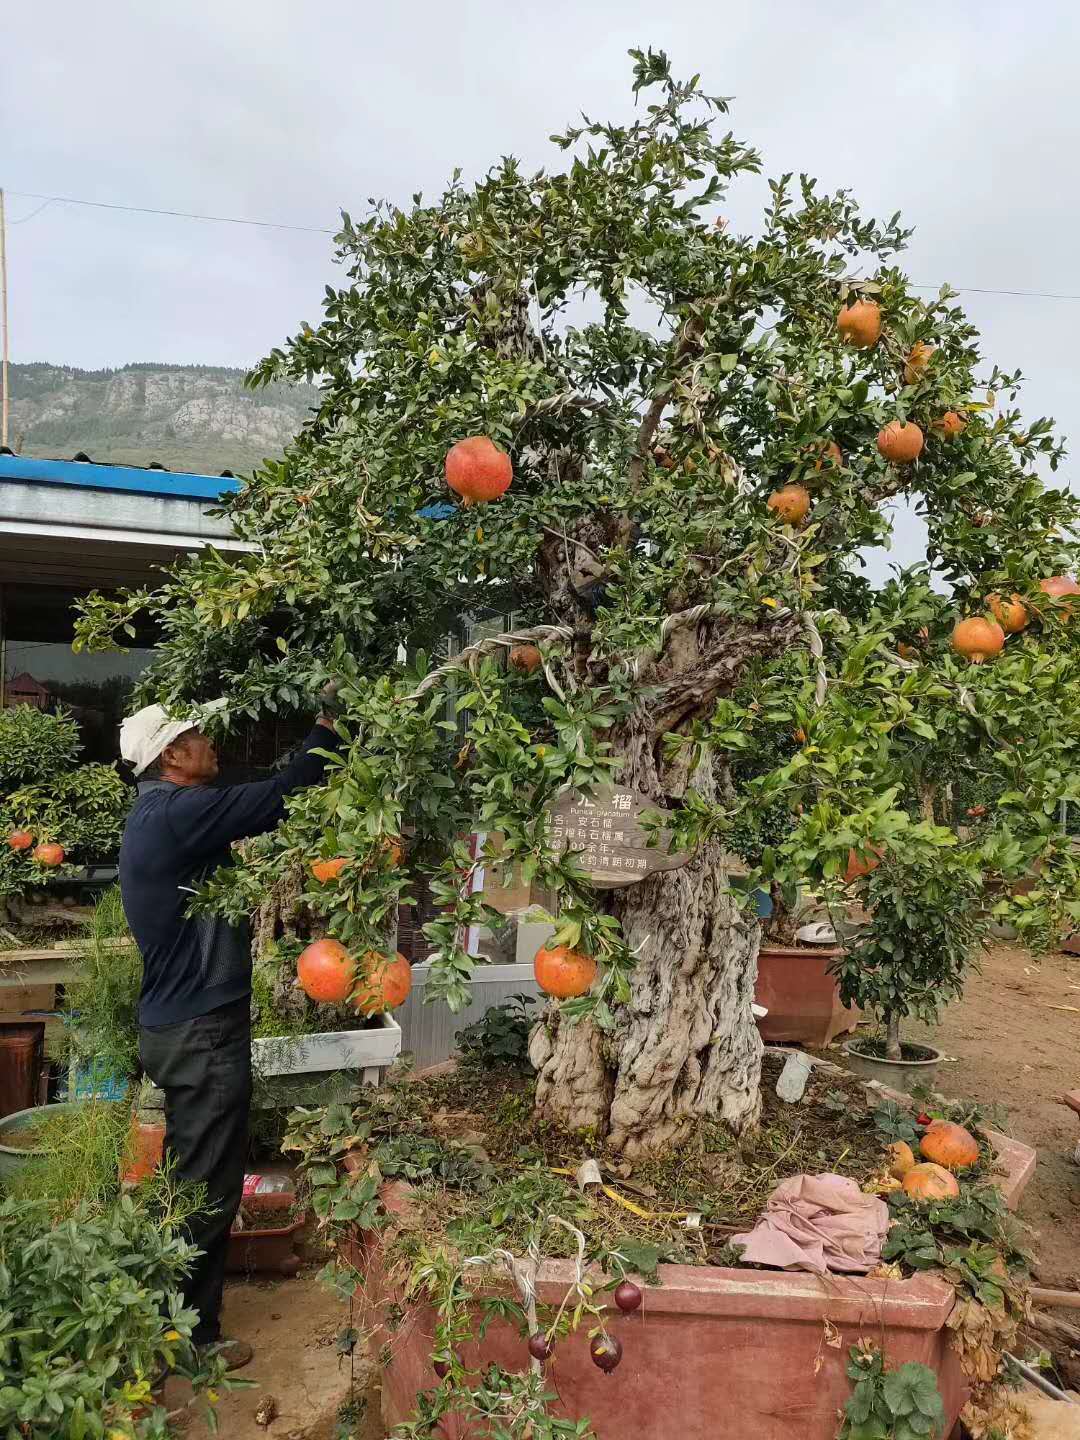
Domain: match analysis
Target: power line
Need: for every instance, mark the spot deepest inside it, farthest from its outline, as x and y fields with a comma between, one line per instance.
x=175, y=214
x=323, y=230
x=981, y=290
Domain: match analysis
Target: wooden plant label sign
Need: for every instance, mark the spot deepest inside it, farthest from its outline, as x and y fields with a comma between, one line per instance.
x=606, y=828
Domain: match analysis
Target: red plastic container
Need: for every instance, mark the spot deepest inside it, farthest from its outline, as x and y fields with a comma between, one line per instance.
x=802, y=998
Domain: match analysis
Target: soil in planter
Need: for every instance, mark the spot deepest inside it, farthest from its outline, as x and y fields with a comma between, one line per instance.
x=23, y=1137
x=487, y=1115
x=875, y=1050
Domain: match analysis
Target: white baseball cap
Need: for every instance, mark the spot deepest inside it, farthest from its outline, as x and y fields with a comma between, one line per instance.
x=144, y=735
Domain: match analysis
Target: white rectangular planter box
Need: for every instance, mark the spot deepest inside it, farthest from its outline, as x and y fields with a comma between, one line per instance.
x=428, y=1031
x=373, y=1049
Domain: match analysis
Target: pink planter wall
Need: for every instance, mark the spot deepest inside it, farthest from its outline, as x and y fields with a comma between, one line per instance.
x=711, y=1353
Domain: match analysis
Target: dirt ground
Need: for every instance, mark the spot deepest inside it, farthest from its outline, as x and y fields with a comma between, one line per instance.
x=1014, y=1038
x=1005, y=1042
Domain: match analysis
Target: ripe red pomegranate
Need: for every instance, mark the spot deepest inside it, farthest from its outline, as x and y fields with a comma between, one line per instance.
x=50, y=855
x=978, y=639
x=1011, y=615
x=383, y=984
x=857, y=868
x=325, y=870
x=606, y=1352
x=918, y=359
x=477, y=470
x=539, y=1348
x=860, y=324
x=326, y=972
x=1059, y=586
x=563, y=972
x=791, y=504
x=831, y=454
x=525, y=659
x=20, y=840
x=627, y=1297
x=900, y=442
x=951, y=424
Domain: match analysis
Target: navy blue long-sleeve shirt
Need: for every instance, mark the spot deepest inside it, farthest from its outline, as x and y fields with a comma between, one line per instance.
x=175, y=837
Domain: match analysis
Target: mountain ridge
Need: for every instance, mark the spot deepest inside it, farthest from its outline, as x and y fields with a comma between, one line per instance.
x=186, y=417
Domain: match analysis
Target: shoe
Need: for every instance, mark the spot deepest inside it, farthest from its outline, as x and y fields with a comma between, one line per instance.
x=235, y=1353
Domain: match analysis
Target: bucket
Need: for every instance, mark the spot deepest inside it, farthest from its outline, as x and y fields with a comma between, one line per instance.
x=20, y=1066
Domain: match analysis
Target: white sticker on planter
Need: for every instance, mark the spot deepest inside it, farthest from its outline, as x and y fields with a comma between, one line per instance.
x=374, y=1048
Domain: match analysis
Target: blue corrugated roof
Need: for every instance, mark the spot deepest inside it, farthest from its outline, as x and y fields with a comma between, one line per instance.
x=130, y=478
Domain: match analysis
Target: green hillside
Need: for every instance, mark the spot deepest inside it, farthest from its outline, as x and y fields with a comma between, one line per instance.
x=187, y=417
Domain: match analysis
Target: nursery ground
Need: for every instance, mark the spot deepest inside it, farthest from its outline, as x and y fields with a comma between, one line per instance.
x=1013, y=1039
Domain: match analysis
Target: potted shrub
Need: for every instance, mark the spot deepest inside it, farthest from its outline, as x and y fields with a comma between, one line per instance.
x=674, y=515
x=53, y=811
x=909, y=960
x=94, y=1311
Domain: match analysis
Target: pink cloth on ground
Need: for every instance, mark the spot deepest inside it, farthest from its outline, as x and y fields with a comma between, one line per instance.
x=818, y=1222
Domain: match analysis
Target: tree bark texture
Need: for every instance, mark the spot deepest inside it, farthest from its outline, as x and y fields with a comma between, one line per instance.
x=685, y=1049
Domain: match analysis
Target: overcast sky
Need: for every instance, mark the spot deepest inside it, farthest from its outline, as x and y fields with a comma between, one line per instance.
x=964, y=116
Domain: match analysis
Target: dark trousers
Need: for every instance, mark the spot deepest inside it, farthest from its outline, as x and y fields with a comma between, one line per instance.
x=204, y=1067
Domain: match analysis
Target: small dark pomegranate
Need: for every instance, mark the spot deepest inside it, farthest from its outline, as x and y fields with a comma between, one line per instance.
x=606, y=1352
x=627, y=1297
x=441, y=1368
x=539, y=1348
x=923, y=1119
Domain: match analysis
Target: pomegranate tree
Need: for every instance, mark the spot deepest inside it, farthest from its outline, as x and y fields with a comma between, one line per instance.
x=670, y=539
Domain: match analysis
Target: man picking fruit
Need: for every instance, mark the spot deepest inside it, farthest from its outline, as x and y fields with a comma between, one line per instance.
x=195, y=1002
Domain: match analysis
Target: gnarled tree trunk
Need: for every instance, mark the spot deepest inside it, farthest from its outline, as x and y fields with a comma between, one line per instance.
x=685, y=1048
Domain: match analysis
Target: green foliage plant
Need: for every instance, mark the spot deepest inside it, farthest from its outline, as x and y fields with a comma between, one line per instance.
x=45, y=792
x=92, y=1314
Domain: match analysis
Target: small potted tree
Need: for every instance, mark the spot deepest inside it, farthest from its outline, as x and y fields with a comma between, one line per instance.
x=910, y=959
x=52, y=810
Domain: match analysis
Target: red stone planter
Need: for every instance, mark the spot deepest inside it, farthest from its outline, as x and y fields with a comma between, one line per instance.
x=711, y=1352
x=270, y=1247
x=802, y=998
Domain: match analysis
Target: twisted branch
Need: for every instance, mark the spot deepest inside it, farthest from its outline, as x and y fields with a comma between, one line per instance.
x=471, y=656
x=817, y=650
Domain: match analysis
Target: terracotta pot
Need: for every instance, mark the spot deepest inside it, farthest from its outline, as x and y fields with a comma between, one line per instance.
x=147, y=1145
x=802, y=998
x=270, y=1247
x=720, y=1341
